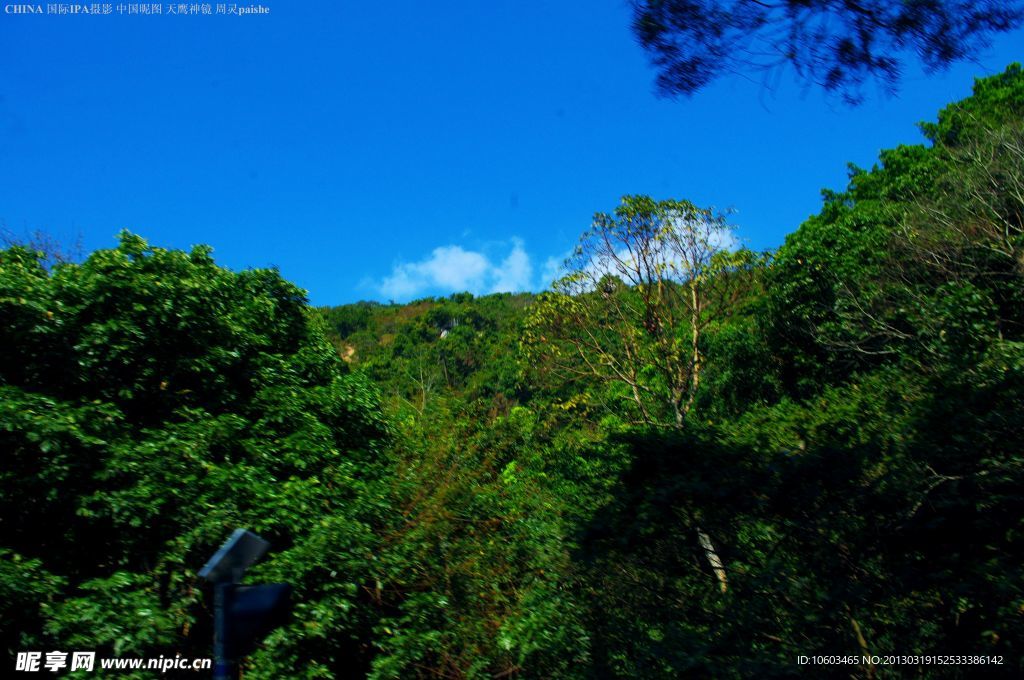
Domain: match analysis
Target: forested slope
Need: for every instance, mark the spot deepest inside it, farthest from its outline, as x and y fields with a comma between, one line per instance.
x=703, y=468
x=854, y=449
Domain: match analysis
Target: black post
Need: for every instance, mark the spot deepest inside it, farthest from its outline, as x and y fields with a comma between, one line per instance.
x=224, y=667
x=242, y=615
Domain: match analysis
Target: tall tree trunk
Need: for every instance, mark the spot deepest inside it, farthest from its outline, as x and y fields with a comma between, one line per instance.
x=695, y=363
x=713, y=559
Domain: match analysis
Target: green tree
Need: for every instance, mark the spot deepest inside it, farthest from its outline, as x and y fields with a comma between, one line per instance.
x=150, y=402
x=644, y=286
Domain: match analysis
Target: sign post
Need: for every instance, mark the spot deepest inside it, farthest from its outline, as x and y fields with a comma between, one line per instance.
x=242, y=615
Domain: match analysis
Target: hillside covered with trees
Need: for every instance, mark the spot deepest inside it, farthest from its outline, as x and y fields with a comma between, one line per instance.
x=686, y=459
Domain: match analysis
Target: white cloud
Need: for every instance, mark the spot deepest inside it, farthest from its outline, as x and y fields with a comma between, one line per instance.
x=725, y=239
x=452, y=269
x=710, y=239
x=554, y=269
x=515, y=272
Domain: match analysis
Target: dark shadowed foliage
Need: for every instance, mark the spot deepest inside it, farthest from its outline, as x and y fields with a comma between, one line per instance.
x=835, y=44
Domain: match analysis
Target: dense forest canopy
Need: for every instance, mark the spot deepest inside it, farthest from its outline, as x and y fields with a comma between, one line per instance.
x=685, y=460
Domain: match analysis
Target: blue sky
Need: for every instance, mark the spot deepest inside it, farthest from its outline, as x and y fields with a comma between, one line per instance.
x=402, y=149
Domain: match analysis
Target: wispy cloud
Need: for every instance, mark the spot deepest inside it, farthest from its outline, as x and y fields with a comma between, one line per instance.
x=498, y=268
x=556, y=267
x=515, y=272
x=452, y=269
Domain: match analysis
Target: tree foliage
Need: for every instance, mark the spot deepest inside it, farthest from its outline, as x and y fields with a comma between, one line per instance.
x=153, y=401
x=643, y=288
x=838, y=45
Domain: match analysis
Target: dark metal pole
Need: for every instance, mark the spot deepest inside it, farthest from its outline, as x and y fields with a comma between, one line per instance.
x=224, y=667
x=224, y=570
